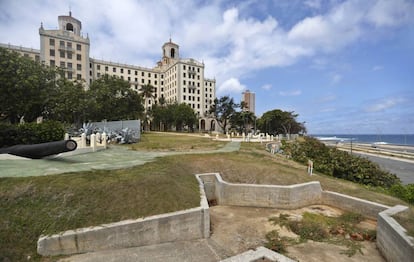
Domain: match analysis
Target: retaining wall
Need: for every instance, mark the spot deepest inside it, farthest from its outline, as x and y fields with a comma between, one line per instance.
x=177, y=226
x=392, y=240
x=195, y=223
x=285, y=197
x=353, y=204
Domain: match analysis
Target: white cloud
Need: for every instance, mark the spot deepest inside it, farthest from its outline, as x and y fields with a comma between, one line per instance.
x=315, y=4
x=377, y=68
x=384, y=104
x=336, y=78
x=266, y=87
x=231, y=44
x=290, y=93
x=231, y=86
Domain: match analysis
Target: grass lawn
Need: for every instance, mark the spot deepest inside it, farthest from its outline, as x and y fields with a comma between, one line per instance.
x=31, y=206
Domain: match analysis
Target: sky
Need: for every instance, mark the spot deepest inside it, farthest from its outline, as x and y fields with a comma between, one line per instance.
x=345, y=66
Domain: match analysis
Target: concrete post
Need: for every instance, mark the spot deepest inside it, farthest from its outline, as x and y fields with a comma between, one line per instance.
x=83, y=140
x=66, y=136
x=93, y=142
x=104, y=140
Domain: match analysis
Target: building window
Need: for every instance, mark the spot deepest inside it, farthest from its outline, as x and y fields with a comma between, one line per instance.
x=52, y=62
x=122, y=77
x=183, y=97
x=198, y=70
x=69, y=55
x=184, y=67
x=155, y=82
x=129, y=72
x=78, y=57
x=79, y=77
x=62, y=54
x=142, y=73
x=52, y=42
x=136, y=79
x=184, y=82
x=62, y=43
x=136, y=73
x=52, y=52
x=69, y=64
x=114, y=69
x=162, y=83
x=98, y=75
x=122, y=70
x=129, y=78
x=184, y=74
x=162, y=76
x=69, y=45
x=62, y=64
x=106, y=68
x=156, y=76
x=37, y=58
x=69, y=75
x=79, y=67
x=142, y=81
x=149, y=74
x=78, y=47
x=98, y=67
x=149, y=81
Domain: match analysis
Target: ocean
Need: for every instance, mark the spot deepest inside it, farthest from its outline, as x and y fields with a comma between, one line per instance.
x=369, y=139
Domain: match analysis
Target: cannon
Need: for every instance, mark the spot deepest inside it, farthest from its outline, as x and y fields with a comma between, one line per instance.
x=37, y=151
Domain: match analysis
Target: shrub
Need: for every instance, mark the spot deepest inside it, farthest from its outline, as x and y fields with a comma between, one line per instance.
x=340, y=164
x=30, y=133
x=405, y=193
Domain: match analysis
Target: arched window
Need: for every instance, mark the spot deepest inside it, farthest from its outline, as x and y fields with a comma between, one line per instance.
x=172, y=52
x=69, y=27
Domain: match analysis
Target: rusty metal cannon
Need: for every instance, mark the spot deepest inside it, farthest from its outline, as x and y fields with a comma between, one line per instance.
x=37, y=151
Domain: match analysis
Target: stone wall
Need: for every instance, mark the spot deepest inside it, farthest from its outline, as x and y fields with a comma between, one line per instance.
x=392, y=240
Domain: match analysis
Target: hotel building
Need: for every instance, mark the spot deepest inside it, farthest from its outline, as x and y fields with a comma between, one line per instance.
x=176, y=79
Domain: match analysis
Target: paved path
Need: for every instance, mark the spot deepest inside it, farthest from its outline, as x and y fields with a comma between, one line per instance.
x=114, y=158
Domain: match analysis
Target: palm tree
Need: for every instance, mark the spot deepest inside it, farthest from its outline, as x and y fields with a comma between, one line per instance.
x=146, y=92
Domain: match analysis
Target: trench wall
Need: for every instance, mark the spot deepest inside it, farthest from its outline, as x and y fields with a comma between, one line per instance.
x=176, y=226
x=195, y=223
x=392, y=238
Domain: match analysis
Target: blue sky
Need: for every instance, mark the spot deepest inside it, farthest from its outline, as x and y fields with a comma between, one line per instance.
x=344, y=66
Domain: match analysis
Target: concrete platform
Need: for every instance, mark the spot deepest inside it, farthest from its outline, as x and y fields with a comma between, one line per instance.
x=114, y=157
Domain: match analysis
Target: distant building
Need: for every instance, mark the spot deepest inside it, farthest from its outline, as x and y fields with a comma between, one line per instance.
x=250, y=99
x=174, y=78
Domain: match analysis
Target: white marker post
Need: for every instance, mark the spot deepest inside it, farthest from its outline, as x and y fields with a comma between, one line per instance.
x=310, y=167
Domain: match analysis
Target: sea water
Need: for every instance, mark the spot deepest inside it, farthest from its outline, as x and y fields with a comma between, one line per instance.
x=369, y=139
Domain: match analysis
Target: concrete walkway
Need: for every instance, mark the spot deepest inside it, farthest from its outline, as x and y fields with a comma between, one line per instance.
x=114, y=157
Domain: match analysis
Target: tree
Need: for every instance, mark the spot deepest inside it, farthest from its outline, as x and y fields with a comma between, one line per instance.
x=26, y=87
x=280, y=122
x=147, y=94
x=223, y=110
x=184, y=116
x=113, y=99
x=69, y=103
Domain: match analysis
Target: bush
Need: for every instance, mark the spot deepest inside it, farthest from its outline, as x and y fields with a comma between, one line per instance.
x=30, y=133
x=340, y=164
x=405, y=193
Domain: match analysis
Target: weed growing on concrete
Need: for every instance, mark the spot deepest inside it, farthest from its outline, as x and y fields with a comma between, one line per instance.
x=342, y=230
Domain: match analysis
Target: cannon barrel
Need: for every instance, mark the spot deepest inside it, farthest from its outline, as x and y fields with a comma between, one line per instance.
x=37, y=151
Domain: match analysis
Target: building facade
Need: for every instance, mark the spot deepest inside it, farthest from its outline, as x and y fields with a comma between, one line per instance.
x=249, y=99
x=176, y=79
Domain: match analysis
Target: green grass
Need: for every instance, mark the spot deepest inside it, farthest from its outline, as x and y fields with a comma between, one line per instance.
x=175, y=142
x=32, y=206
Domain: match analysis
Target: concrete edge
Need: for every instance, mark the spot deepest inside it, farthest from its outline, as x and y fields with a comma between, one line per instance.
x=392, y=239
x=259, y=254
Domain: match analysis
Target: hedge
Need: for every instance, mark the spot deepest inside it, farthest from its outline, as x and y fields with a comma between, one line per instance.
x=30, y=133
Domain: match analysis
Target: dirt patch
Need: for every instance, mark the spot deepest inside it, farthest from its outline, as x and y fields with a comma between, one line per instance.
x=238, y=229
